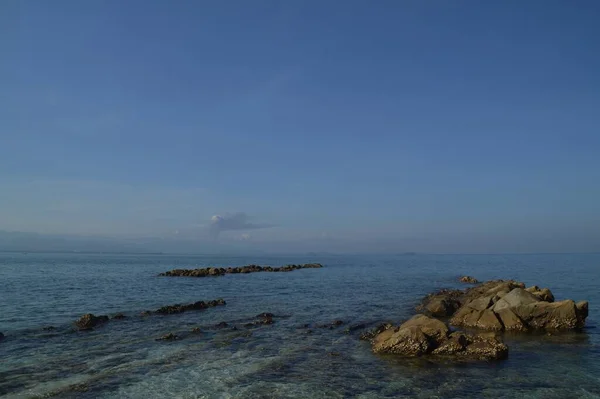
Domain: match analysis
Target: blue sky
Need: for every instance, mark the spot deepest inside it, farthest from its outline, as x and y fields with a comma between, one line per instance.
x=437, y=126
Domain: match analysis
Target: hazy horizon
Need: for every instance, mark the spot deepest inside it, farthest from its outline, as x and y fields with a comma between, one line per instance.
x=430, y=127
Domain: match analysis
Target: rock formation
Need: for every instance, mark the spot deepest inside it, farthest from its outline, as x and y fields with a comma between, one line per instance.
x=506, y=306
x=215, y=271
x=88, y=321
x=468, y=279
x=423, y=335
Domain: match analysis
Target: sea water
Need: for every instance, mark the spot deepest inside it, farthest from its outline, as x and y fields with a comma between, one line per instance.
x=122, y=358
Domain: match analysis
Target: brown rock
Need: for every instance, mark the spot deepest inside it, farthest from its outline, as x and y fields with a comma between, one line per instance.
x=481, y=303
x=168, y=337
x=511, y=321
x=409, y=341
x=561, y=315
x=469, y=280
x=516, y=298
x=369, y=335
x=582, y=309
x=489, y=321
x=89, y=321
x=431, y=327
x=486, y=349
x=439, y=307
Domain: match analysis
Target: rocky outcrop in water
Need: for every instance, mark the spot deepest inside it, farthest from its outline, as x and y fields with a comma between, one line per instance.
x=200, y=305
x=501, y=305
x=468, y=280
x=168, y=337
x=423, y=335
x=216, y=271
x=261, y=319
x=1, y=336
x=88, y=321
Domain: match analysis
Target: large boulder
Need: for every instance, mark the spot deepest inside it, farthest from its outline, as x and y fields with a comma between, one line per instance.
x=520, y=310
x=516, y=298
x=88, y=321
x=423, y=335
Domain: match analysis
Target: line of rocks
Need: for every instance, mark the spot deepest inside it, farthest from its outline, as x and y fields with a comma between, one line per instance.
x=88, y=321
x=221, y=271
x=257, y=321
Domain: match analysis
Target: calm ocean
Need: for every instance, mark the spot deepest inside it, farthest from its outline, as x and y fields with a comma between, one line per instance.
x=121, y=359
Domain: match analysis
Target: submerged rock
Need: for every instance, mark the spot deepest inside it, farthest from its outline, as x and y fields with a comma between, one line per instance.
x=261, y=319
x=1, y=336
x=89, y=321
x=423, y=335
x=468, y=279
x=119, y=316
x=200, y=305
x=334, y=324
x=168, y=337
x=49, y=328
x=214, y=271
x=369, y=335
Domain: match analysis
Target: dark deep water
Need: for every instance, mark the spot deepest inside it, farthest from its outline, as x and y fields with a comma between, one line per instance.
x=122, y=359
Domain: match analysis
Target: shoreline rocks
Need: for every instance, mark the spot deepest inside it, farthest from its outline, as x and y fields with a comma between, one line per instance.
x=200, y=305
x=168, y=337
x=496, y=306
x=215, y=271
x=505, y=305
x=423, y=335
x=88, y=321
x=468, y=280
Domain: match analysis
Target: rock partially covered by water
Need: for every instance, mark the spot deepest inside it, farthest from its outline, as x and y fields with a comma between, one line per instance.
x=168, y=337
x=89, y=321
x=1, y=336
x=214, y=271
x=261, y=319
x=521, y=310
x=501, y=305
x=369, y=335
x=423, y=335
x=468, y=279
x=200, y=305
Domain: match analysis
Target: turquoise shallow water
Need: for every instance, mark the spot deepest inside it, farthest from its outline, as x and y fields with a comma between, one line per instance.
x=122, y=359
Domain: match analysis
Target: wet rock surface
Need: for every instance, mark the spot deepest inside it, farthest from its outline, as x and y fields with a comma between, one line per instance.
x=468, y=280
x=200, y=305
x=369, y=335
x=505, y=305
x=168, y=337
x=422, y=335
x=221, y=271
x=89, y=321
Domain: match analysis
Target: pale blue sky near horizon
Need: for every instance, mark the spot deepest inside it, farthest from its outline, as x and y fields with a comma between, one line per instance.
x=456, y=126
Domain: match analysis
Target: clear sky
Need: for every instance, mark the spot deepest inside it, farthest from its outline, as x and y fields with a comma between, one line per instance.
x=438, y=126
